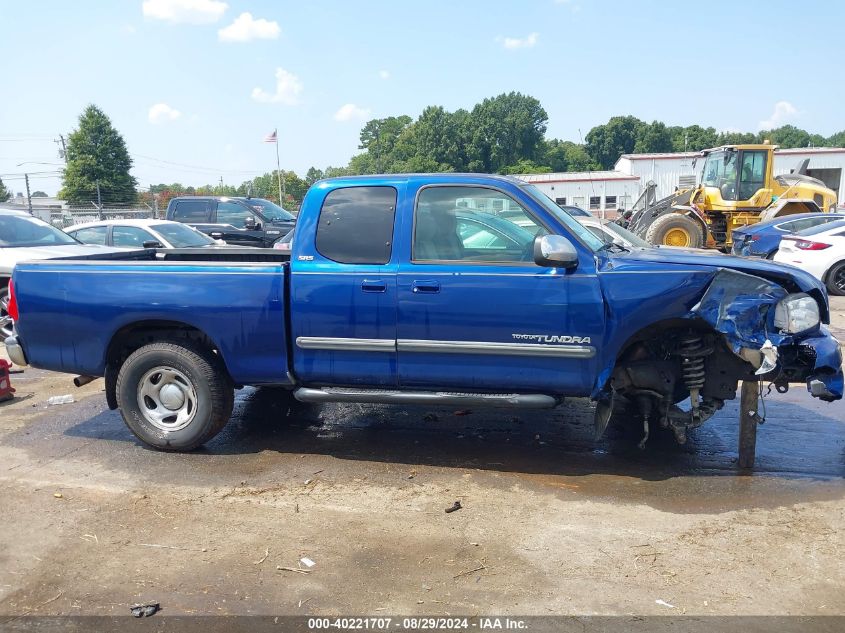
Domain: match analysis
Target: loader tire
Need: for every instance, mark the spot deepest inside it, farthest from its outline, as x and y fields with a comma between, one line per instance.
x=174, y=396
x=675, y=229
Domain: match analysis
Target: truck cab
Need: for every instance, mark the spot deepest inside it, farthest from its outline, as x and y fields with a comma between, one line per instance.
x=237, y=221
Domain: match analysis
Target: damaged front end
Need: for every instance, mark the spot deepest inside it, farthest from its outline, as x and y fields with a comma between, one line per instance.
x=743, y=327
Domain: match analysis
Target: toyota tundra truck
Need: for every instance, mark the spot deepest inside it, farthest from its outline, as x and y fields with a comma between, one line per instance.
x=447, y=289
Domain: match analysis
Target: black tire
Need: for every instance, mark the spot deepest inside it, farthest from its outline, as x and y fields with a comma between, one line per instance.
x=189, y=371
x=658, y=230
x=836, y=279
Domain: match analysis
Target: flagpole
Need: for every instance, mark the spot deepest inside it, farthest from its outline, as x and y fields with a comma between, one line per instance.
x=278, y=168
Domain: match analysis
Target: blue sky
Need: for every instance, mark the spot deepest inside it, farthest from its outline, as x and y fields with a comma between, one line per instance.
x=194, y=85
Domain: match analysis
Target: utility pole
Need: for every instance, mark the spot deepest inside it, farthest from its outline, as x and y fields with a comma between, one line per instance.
x=63, y=151
x=99, y=202
x=28, y=197
x=155, y=203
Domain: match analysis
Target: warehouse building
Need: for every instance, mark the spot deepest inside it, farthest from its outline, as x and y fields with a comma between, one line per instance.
x=605, y=192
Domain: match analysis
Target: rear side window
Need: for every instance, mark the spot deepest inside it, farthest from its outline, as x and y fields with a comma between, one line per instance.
x=356, y=225
x=190, y=211
x=91, y=235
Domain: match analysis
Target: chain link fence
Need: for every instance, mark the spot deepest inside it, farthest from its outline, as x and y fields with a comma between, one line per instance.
x=80, y=214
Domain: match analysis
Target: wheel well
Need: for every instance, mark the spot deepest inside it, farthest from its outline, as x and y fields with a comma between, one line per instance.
x=135, y=335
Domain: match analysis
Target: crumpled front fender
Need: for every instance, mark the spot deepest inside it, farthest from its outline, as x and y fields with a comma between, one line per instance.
x=740, y=306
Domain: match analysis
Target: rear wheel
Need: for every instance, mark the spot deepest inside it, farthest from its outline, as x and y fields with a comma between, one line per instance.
x=675, y=229
x=836, y=279
x=174, y=396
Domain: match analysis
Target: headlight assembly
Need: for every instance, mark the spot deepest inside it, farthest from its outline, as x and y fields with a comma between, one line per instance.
x=796, y=313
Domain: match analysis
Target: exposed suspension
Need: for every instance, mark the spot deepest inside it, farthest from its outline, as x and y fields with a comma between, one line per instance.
x=692, y=351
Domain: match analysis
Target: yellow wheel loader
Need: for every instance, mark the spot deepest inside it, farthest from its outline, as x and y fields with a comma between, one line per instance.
x=736, y=188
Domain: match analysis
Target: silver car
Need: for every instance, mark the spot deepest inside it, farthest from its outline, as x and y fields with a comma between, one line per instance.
x=24, y=237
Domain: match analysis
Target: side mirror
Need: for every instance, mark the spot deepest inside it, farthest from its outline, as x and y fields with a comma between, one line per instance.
x=152, y=244
x=555, y=250
x=250, y=223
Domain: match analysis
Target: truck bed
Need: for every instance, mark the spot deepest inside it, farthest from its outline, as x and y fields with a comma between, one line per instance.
x=77, y=306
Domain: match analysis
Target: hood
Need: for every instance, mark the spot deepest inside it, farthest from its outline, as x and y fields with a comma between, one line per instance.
x=11, y=256
x=791, y=278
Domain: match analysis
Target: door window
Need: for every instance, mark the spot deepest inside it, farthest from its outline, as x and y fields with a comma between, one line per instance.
x=472, y=224
x=752, y=174
x=190, y=211
x=234, y=214
x=130, y=236
x=356, y=225
x=91, y=235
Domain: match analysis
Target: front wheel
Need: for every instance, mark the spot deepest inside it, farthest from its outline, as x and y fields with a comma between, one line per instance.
x=675, y=229
x=174, y=396
x=836, y=279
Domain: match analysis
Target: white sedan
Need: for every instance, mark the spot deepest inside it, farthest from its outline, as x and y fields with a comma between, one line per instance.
x=141, y=234
x=820, y=251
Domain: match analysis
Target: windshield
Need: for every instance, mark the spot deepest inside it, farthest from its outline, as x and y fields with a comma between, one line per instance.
x=720, y=170
x=575, y=227
x=20, y=231
x=626, y=235
x=823, y=228
x=182, y=235
x=270, y=210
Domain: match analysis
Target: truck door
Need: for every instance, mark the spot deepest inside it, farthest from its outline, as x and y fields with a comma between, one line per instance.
x=477, y=314
x=343, y=289
x=238, y=225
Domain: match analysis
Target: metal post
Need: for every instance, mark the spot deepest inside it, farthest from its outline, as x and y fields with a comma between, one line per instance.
x=748, y=402
x=28, y=197
x=99, y=202
x=279, y=169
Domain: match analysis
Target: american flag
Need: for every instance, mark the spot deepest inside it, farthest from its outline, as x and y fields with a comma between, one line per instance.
x=271, y=138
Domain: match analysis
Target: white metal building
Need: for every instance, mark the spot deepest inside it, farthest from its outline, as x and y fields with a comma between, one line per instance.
x=603, y=192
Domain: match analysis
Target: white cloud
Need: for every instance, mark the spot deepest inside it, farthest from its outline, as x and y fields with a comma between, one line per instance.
x=384, y=74
x=782, y=114
x=184, y=11
x=351, y=112
x=162, y=113
x=245, y=28
x=513, y=43
x=288, y=89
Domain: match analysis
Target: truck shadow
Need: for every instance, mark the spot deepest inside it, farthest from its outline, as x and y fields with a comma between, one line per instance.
x=798, y=441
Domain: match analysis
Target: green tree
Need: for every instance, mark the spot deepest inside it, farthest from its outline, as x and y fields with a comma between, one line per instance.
x=313, y=175
x=836, y=140
x=525, y=166
x=736, y=138
x=503, y=130
x=97, y=155
x=39, y=194
x=379, y=138
x=606, y=143
x=5, y=194
x=653, y=137
x=693, y=138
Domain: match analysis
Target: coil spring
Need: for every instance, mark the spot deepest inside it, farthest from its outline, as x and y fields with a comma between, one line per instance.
x=692, y=352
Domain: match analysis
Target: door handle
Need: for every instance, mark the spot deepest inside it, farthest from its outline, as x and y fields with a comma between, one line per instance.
x=216, y=235
x=428, y=286
x=373, y=285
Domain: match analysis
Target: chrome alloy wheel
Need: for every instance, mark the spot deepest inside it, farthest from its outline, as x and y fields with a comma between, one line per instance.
x=167, y=399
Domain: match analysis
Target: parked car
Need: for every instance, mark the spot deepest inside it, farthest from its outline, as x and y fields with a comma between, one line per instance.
x=762, y=239
x=612, y=233
x=576, y=212
x=820, y=251
x=24, y=237
x=142, y=234
x=382, y=300
x=236, y=221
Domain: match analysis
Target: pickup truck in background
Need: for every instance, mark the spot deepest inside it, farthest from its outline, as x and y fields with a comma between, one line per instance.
x=399, y=290
x=237, y=221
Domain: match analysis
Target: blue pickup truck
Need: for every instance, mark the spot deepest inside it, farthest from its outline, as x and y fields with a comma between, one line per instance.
x=457, y=289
